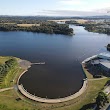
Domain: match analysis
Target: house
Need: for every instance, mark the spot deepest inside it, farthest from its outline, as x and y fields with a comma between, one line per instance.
x=105, y=66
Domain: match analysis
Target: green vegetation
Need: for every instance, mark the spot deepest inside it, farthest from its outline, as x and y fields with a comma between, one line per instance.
x=101, y=99
x=93, y=26
x=6, y=71
x=48, y=27
x=72, y=22
x=9, y=101
x=9, y=69
x=94, y=87
x=97, y=28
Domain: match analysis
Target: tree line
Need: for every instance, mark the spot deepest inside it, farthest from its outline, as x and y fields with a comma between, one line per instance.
x=97, y=28
x=44, y=27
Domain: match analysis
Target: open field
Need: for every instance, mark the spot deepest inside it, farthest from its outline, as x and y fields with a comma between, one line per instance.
x=9, y=100
x=7, y=80
x=82, y=21
x=27, y=25
x=8, y=23
x=3, y=59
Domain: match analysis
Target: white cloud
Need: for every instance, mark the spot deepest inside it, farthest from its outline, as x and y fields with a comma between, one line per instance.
x=72, y=13
x=70, y=2
x=83, y=5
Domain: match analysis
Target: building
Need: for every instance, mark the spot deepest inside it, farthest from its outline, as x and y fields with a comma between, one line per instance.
x=100, y=62
x=105, y=66
x=105, y=56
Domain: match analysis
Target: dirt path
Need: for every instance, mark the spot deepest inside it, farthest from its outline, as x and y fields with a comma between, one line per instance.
x=6, y=89
x=97, y=79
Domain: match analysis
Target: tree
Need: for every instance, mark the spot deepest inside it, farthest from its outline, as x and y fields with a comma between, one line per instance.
x=101, y=99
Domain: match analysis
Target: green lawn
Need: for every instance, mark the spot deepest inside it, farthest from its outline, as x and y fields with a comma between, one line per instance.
x=6, y=80
x=8, y=98
x=3, y=59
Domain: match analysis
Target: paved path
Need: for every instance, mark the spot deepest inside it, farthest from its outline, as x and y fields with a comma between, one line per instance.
x=6, y=89
x=95, y=79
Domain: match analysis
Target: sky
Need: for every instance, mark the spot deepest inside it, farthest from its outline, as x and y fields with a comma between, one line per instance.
x=55, y=7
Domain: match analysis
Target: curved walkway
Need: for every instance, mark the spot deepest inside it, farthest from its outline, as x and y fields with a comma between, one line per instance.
x=45, y=100
x=6, y=89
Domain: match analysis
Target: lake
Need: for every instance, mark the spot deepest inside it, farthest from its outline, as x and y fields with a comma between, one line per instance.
x=62, y=74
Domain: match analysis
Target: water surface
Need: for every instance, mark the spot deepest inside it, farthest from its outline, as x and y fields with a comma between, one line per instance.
x=62, y=74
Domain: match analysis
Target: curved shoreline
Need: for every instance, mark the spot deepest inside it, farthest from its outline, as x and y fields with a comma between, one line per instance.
x=45, y=100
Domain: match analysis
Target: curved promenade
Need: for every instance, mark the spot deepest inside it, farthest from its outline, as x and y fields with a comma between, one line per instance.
x=46, y=100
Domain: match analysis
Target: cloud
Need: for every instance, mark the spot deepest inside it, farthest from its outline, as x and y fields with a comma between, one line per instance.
x=72, y=13
x=82, y=5
x=104, y=10
x=71, y=2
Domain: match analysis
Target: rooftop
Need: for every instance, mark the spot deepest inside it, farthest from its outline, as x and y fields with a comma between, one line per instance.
x=105, y=54
x=106, y=64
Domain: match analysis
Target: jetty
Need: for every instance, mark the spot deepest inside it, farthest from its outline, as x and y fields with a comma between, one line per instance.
x=40, y=63
x=27, y=64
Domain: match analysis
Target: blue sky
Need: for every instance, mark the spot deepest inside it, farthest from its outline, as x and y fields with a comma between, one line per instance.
x=55, y=7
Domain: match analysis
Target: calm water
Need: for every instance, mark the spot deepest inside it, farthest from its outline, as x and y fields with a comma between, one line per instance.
x=62, y=75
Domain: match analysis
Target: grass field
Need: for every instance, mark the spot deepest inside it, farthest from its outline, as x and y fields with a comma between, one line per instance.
x=3, y=59
x=6, y=80
x=27, y=25
x=81, y=21
x=8, y=23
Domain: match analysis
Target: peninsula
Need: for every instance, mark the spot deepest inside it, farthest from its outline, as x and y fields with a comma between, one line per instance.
x=33, y=25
